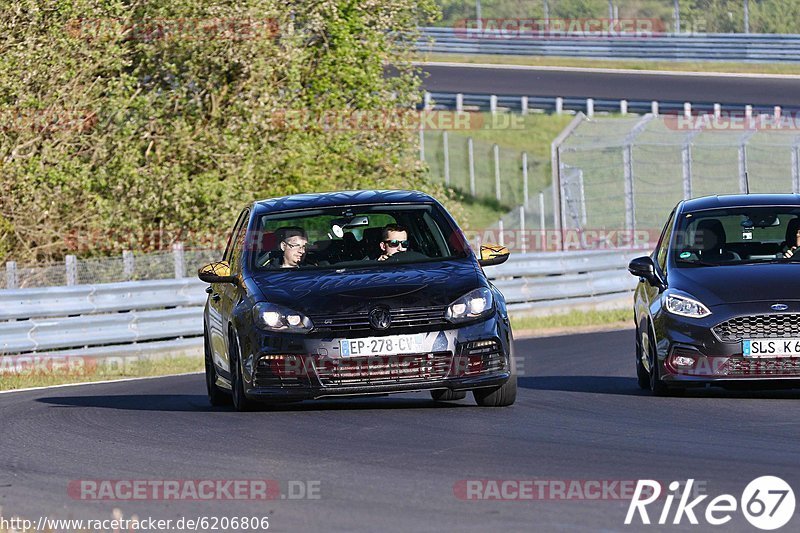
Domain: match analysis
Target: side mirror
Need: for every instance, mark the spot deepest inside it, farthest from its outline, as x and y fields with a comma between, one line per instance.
x=643, y=267
x=218, y=272
x=492, y=254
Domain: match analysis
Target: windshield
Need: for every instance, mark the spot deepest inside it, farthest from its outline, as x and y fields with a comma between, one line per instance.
x=358, y=236
x=734, y=236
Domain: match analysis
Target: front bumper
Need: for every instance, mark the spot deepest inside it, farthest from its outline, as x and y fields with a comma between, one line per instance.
x=295, y=367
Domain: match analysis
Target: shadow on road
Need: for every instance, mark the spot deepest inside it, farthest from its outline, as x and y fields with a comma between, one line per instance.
x=595, y=384
x=199, y=403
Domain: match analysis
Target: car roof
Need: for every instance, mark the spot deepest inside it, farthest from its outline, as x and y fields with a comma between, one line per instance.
x=332, y=199
x=739, y=200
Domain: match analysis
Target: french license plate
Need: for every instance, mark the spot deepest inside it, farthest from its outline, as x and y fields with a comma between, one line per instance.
x=770, y=347
x=392, y=345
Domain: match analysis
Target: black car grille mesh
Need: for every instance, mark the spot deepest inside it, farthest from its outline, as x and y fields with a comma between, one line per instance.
x=775, y=326
x=379, y=370
x=401, y=318
x=746, y=366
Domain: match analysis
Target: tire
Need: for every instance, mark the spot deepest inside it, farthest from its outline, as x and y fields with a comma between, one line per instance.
x=502, y=396
x=240, y=401
x=657, y=387
x=216, y=396
x=642, y=376
x=447, y=395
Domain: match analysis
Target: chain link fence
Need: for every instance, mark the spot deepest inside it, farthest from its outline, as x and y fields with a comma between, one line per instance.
x=178, y=263
x=628, y=173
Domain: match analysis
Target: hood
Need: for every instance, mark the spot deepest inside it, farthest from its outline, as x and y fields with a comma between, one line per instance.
x=769, y=282
x=332, y=292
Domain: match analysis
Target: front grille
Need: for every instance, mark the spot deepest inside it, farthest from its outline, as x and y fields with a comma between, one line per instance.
x=401, y=318
x=280, y=371
x=382, y=370
x=774, y=326
x=746, y=366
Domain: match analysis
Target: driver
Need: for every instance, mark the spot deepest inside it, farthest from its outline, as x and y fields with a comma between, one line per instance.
x=394, y=240
x=293, y=246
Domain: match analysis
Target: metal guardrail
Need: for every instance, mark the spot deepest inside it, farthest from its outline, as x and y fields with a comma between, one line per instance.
x=670, y=47
x=139, y=317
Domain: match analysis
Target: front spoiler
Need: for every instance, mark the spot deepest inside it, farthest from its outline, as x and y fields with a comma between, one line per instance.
x=312, y=392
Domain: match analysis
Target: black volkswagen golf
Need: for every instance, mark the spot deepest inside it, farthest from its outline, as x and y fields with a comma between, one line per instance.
x=354, y=293
x=718, y=301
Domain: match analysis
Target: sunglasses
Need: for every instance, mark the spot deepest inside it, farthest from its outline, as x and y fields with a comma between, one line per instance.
x=394, y=243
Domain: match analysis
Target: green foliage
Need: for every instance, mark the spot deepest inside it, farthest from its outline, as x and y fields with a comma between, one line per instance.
x=165, y=116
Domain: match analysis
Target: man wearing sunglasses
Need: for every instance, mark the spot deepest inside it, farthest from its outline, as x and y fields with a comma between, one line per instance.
x=395, y=240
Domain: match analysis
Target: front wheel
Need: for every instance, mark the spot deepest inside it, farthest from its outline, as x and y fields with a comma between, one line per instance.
x=502, y=396
x=657, y=387
x=642, y=376
x=240, y=401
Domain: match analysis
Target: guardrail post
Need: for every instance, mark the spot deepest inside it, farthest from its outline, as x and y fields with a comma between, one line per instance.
x=687, y=109
x=654, y=108
x=11, y=274
x=559, y=105
x=446, y=149
x=525, y=180
x=71, y=264
x=426, y=101
x=471, y=157
x=523, y=105
x=178, y=258
x=493, y=104
x=459, y=102
x=521, y=239
x=748, y=113
x=590, y=107
x=776, y=113
x=128, y=264
x=717, y=110
x=623, y=107
x=497, y=193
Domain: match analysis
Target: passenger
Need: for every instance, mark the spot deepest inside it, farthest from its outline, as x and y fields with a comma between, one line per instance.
x=792, y=241
x=293, y=248
x=394, y=240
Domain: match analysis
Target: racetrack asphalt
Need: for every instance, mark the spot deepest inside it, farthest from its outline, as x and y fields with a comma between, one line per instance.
x=391, y=463
x=599, y=84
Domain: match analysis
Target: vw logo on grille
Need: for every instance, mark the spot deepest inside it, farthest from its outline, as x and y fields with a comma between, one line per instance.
x=379, y=318
x=779, y=307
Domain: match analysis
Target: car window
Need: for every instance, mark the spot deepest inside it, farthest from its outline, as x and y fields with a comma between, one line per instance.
x=243, y=216
x=664, y=242
x=358, y=236
x=238, y=244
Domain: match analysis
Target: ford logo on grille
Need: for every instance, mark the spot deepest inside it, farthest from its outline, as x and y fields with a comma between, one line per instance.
x=379, y=318
x=779, y=307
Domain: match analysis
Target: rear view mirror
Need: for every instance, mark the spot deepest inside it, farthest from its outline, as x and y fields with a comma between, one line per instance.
x=218, y=272
x=492, y=254
x=643, y=267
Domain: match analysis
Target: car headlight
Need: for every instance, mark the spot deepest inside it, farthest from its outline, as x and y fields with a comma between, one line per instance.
x=474, y=304
x=681, y=305
x=278, y=318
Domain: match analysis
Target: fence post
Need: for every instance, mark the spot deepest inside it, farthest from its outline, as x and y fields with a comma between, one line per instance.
x=459, y=102
x=583, y=197
x=128, y=264
x=686, y=159
x=497, y=193
x=501, y=237
x=493, y=104
x=471, y=157
x=559, y=105
x=525, y=180
x=654, y=108
x=521, y=238
x=71, y=264
x=178, y=259
x=630, y=207
x=446, y=158
x=11, y=275
x=523, y=103
x=743, y=185
x=717, y=110
x=796, y=167
x=590, y=107
x=421, y=143
x=623, y=107
x=687, y=109
x=542, y=222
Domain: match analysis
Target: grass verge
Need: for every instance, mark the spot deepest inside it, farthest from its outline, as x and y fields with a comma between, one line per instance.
x=572, y=322
x=85, y=370
x=633, y=64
